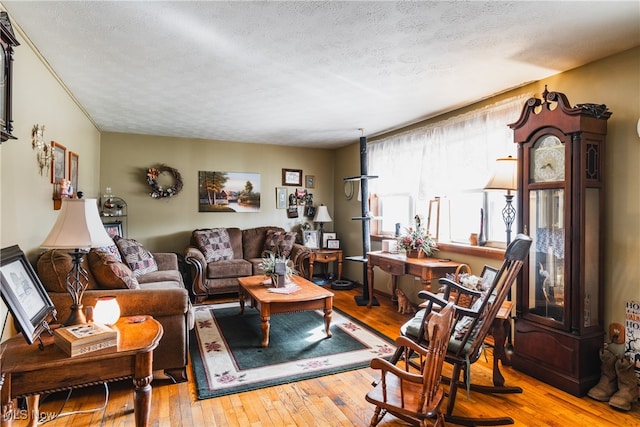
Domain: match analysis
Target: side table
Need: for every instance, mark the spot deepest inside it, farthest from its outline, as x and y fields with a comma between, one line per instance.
x=326, y=256
x=30, y=372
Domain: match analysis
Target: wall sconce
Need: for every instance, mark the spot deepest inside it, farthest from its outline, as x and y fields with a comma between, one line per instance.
x=106, y=311
x=44, y=152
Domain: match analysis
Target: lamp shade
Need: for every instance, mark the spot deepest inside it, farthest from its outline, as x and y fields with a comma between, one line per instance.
x=505, y=175
x=322, y=214
x=78, y=227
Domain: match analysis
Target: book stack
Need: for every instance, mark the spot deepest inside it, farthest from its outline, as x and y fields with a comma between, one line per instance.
x=88, y=338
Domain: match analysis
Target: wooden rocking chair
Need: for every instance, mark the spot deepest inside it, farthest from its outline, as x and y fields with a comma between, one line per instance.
x=471, y=327
x=414, y=397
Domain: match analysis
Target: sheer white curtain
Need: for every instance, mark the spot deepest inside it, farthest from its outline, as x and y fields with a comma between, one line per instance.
x=450, y=157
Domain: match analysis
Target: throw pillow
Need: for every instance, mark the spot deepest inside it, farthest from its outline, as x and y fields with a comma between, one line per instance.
x=279, y=243
x=111, y=273
x=111, y=250
x=139, y=259
x=53, y=267
x=214, y=244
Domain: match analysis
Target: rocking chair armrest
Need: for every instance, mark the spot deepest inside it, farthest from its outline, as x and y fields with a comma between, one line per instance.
x=385, y=367
x=450, y=285
x=435, y=299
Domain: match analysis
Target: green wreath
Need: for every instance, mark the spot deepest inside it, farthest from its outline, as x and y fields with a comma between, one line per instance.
x=159, y=192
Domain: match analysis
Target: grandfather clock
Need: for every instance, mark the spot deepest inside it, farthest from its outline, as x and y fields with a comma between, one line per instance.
x=559, y=306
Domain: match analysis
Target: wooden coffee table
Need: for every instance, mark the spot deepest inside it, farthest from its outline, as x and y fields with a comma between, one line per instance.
x=30, y=372
x=309, y=297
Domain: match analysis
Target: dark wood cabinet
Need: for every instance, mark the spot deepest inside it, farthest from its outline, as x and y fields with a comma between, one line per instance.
x=559, y=307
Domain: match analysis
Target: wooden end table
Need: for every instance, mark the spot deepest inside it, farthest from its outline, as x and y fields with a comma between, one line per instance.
x=30, y=372
x=326, y=256
x=309, y=297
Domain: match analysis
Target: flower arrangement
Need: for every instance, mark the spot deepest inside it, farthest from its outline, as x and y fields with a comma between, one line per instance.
x=417, y=239
x=268, y=265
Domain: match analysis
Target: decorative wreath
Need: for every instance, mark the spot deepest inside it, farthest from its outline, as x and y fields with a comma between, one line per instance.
x=157, y=192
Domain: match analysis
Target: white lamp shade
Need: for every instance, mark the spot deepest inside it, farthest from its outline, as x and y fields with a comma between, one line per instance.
x=78, y=227
x=106, y=311
x=322, y=214
x=505, y=175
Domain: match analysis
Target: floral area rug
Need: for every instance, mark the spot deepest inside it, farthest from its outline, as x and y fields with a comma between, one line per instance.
x=227, y=358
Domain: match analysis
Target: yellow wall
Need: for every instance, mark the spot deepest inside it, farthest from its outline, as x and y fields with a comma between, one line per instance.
x=166, y=224
x=614, y=81
x=26, y=207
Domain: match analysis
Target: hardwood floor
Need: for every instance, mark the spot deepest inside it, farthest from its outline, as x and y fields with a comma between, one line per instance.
x=335, y=400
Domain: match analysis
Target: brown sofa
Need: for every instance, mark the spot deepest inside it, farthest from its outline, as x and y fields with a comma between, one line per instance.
x=240, y=253
x=160, y=294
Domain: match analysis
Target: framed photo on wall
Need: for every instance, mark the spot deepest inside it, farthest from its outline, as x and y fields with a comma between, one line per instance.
x=74, y=161
x=281, y=197
x=59, y=162
x=24, y=294
x=310, y=181
x=310, y=238
x=292, y=177
x=326, y=237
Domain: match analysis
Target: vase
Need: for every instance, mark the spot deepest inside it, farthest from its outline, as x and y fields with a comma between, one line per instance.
x=414, y=253
x=482, y=237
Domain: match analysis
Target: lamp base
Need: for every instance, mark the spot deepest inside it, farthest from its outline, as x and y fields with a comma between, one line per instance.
x=76, y=317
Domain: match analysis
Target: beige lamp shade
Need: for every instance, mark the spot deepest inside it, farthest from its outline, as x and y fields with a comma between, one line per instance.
x=78, y=227
x=505, y=175
x=322, y=215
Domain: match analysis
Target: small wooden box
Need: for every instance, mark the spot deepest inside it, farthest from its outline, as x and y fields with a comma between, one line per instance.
x=87, y=338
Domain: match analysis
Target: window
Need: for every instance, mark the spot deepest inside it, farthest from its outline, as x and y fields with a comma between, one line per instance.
x=453, y=160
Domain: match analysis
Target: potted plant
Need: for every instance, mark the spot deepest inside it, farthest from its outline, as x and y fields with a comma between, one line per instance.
x=417, y=241
x=277, y=268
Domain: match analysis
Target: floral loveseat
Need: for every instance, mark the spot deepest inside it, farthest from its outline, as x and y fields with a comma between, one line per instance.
x=218, y=256
x=143, y=283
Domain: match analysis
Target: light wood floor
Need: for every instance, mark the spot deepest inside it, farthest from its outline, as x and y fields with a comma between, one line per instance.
x=335, y=400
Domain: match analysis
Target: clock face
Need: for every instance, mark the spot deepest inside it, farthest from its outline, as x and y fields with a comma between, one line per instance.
x=547, y=160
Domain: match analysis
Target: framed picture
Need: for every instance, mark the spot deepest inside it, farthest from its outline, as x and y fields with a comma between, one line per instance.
x=310, y=238
x=292, y=177
x=74, y=160
x=113, y=229
x=281, y=198
x=229, y=191
x=310, y=181
x=24, y=294
x=59, y=162
x=333, y=244
x=326, y=237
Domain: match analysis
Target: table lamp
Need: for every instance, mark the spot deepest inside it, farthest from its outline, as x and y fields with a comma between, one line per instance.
x=322, y=216
x=505, y=177
x=79, y=228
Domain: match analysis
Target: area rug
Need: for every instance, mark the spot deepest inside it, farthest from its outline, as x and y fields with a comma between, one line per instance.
x=226, y=356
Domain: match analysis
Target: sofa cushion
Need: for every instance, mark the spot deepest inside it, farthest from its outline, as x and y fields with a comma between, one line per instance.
x=214, y=243
x=109, y=272
x=279, y=243
x=139, y=259
x=253, y=241
x=53, y=267
x=162, y=276
x=228, y=268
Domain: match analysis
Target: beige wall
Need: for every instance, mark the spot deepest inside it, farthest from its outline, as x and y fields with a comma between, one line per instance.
x=614, y=81
x=26, y=207
x=166, y=224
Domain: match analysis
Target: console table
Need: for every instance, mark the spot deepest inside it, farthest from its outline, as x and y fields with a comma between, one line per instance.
x=30, y=372
x=397, y=265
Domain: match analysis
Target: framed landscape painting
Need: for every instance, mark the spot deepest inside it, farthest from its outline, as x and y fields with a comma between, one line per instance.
x=228, y=191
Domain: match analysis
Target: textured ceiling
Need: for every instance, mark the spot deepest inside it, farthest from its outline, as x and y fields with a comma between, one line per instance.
x=307, y=73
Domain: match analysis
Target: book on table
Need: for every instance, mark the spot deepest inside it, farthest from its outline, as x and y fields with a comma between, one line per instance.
x=86, y=338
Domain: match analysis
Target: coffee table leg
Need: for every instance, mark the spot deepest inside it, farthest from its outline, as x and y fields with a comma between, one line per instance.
x=142, y=394
x=328, y=310
x=242, y=298
x=265, y=326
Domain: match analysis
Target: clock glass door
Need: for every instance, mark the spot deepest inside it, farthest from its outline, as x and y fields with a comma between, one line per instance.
x=547, y=257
